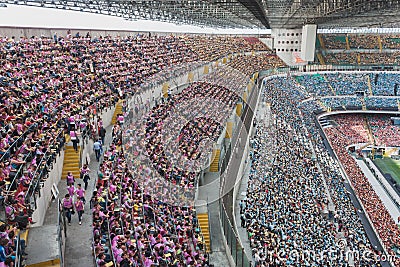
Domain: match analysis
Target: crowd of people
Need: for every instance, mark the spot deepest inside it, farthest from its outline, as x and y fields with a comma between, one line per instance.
x=344, y=58
x=289, y=213
x=340, y=137
x=248, y=64
x=186, y=119
x=52, y=87
x=390, y=41
x=383, y=130
x=132, y=228
x=365, y=49
x=209, y=48
x=369, y=41
x=328, y=84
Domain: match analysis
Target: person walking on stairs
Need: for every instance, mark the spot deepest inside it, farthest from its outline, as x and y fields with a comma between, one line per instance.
x=79, y=209
x=85, y=175
x=74, y=139
x=102, y=134
x=80, y=193
x=97, y=149
x=68, y=206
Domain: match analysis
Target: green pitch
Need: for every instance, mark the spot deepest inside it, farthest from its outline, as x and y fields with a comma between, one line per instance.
x=388, y=165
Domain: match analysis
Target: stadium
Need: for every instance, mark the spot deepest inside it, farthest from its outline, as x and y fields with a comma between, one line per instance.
x=251, y=133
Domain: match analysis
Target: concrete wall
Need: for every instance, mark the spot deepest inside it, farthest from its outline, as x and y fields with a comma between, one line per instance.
x=45, y=192
x=49, y=32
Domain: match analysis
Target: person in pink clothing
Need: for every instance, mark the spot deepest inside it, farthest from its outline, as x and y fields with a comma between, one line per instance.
x=80, y=192
x=70, y=179
x=79, y=209
x=68, y=206
x=71, y=190
x=74, y=138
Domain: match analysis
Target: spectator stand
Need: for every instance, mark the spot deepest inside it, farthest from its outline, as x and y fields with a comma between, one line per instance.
x=344, y=169
x=106, y=97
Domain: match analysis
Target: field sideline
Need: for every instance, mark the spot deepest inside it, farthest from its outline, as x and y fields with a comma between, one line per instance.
x=388, y=165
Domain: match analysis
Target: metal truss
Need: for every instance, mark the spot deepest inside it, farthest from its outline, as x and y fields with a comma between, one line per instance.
x=210, y=13
x=331, y=13
x=240, y=13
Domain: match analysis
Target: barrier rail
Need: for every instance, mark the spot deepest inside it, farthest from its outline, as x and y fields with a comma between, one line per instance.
x=229, y=178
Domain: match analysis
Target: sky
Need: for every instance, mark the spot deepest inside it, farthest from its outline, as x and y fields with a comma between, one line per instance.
x=25, y=16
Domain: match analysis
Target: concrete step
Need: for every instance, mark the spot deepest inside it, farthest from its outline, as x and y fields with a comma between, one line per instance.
x=204, y=227
x=51, y=263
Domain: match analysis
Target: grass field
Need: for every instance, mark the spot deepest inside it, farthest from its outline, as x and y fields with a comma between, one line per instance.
x=388, y=165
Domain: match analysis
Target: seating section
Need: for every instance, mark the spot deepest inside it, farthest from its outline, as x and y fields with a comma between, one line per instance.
x=383, y=130
x=209, y=48
x=334, y=41
x=390, y=41
x=50, y=86
x=360, y=49
x=250, y=64
x=353, y=91
x=363, y=41
x=384, y=224
x=256, y=44
x=160, y=127
x=295, y=184
x=294, y=181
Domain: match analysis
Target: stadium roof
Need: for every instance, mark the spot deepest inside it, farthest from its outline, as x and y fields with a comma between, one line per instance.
x=241, y=13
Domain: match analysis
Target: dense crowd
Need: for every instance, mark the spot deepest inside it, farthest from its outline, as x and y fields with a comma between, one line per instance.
x=390, y=41
x=340, y=137
x=50, y=86
x=131, y=228
x=341, y=58
x=196, y=120
x=361, y=41
x=209, y=48
x=334, y=41
x=250, y=64
x=256, y=44
x=139, y=207
x=383, y=130
x=365, y=49
x=288, y=210
x=53, y=87
x=341, y=91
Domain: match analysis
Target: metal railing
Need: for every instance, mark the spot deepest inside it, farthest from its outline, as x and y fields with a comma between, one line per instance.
x=237, y=251
x=17, y=143
x=228, y=179
x=43, y=169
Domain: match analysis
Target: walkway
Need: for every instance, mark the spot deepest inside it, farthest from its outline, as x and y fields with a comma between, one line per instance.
x=380, y=191
x=78, y=245
x=242, y=232
x=263, y=116
x=209, y=192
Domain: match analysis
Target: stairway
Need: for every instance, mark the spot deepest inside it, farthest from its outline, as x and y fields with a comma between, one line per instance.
x=50, y=263
x=367, y=126
x=380, y=43
x=321, y=41
x=203, y=222
x=71, y=162
x=369, y=85
x=214, y=166
x=347, y=43
x=329, y=85
x=321, y=59
x=118, y=110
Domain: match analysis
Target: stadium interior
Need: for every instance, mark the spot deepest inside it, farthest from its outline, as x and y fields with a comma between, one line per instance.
x=128, y=148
